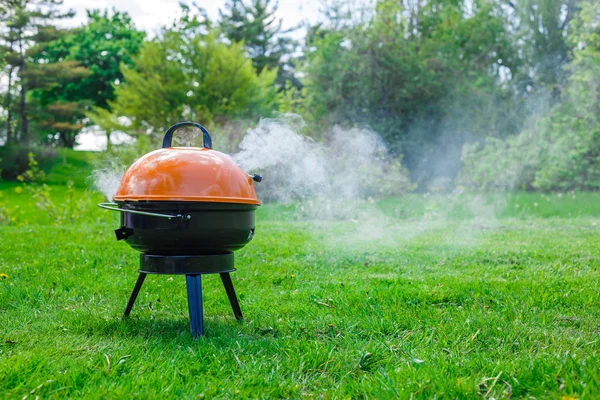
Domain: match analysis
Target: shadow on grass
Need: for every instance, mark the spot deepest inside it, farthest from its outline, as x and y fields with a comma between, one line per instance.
x=158, y=330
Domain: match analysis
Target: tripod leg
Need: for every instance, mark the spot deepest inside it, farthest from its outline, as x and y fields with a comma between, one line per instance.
x=194, y=292
x=134, y=294
x=226, y=278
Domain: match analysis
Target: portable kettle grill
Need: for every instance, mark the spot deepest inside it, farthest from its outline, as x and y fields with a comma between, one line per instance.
x=186, y=209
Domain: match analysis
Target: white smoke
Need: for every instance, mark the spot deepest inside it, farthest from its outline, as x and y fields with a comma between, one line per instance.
x=344, y=177
x=336, y=178
x=106, y=180
x=341, y=177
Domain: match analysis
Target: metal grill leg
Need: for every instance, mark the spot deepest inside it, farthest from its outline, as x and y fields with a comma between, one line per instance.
x=226, y=278
x=194, y=292
x=134, y=294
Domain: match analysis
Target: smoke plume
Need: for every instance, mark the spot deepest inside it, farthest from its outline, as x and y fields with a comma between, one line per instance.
x=327, y=179
x=106, y=180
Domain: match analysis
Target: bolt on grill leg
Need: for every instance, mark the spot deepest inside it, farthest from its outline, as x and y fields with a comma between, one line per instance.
x=194, y=292
x=134, y=294
x=226, y=278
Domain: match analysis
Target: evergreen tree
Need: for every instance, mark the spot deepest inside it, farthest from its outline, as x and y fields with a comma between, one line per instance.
x=8, y=55
x=57, y=118
x=26, y=24
x=254, y=22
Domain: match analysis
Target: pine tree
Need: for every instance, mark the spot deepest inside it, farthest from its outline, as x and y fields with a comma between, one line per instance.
x=25, y=24
x=57, y=117
x=254, y=22
x=9, y=56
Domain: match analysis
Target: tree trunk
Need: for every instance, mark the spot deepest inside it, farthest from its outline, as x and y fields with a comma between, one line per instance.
x=108, y=144
x=68, y=139
x=23, y=112
x=8, y=103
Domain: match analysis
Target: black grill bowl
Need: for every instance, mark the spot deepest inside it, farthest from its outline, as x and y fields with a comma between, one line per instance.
x=211, y=228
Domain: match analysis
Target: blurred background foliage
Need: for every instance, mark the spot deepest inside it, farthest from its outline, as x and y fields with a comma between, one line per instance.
x=487, y=94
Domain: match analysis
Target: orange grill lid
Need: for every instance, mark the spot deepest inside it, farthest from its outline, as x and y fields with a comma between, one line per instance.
x=186, y=174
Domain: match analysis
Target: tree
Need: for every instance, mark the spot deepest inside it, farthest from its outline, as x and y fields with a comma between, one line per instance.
x=100, y=46
x=403, y=69
x=27, y=22
x=254, y=23
x=178, y=77
x=9, y=58
x=57, y=117
x=561, y=151
x=541, y=27
x=107, y=121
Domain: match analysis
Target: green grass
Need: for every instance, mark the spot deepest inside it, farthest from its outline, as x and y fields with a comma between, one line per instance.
x=447, y=297
x=71, y=165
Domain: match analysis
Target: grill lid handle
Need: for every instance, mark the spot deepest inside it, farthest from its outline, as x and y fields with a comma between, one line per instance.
x=168, y=139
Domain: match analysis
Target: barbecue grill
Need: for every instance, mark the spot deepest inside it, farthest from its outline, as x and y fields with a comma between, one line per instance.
x=186, y=209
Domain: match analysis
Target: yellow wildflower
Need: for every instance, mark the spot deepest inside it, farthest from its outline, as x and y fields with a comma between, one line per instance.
x=3, y=276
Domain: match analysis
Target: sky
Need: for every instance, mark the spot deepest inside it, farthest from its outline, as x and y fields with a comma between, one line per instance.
x=149, y=15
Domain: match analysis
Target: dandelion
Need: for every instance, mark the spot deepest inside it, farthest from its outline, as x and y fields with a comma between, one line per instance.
x=3, y=276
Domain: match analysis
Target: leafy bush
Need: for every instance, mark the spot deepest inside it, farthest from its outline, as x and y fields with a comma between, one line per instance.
x=67, y=210
x=14, y=160
x=502, y=165
x=562, y=152
x=5, y=217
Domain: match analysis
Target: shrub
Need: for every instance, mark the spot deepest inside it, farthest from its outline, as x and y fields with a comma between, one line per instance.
x=68, y=209
x=562, y=152
x=14, y=160
x=502, y=165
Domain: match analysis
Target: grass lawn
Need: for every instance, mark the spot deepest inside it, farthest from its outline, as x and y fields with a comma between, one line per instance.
x=441, y=299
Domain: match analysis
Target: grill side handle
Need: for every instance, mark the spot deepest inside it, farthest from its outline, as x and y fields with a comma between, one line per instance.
x=115, y=207
x=168, y=139
x=256, y=177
